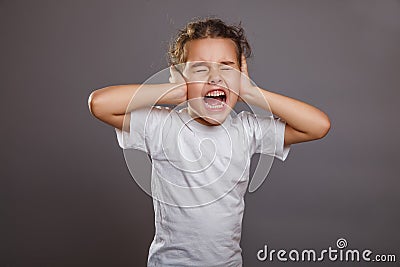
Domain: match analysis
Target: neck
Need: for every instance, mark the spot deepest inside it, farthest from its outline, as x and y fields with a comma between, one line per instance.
x=199, y=119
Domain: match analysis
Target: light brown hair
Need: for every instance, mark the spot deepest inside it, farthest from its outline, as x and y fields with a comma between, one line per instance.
x=208, y=28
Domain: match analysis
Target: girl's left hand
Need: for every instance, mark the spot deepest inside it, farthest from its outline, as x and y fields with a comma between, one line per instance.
x=246, y=87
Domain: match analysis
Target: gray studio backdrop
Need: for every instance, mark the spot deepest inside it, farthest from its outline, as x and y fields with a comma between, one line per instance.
x=67, y=195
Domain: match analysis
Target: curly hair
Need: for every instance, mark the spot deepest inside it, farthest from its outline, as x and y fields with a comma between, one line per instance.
x=208, y=28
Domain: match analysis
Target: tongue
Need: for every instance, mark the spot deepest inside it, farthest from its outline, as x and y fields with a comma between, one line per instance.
x=212, y=101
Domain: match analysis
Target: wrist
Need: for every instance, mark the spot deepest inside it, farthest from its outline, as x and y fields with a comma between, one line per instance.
x=251, y=95
x=177, y=93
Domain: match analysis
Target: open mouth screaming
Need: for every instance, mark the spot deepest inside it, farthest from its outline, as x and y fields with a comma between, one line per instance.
x=215, y=100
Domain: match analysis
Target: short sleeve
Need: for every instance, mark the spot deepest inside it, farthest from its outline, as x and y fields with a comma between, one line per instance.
x=267, y=135
x=144, y=129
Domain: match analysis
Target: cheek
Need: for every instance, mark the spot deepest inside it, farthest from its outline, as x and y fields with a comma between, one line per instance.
x=233, y=99
x=233, y=83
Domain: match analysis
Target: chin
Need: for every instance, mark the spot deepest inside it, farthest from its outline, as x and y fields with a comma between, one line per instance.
x=216, y=119
x=207, y=116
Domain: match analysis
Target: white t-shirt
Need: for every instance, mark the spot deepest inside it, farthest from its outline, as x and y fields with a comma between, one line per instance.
x=199, y=177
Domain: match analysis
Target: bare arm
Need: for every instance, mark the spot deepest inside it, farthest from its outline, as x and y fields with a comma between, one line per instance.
x=111, y=103
x=304, y=122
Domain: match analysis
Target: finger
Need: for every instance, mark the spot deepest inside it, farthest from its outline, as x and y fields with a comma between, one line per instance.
x=173, y=70
x=176, y=75
x=244, y=65
x=171, y=74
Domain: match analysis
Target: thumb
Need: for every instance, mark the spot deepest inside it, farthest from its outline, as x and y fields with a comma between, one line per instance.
x=244, y=65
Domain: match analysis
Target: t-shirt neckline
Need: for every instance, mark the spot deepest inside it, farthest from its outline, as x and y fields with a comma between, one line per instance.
x=201, y=127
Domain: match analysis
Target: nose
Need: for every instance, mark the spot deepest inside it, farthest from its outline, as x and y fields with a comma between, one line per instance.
x=215, y=77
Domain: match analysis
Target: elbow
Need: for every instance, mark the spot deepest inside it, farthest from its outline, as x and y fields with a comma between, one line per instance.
x=94, y=103
x=324, y=127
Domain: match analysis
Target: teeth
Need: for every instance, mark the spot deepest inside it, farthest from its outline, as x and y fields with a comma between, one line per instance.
x=214, y=106
x=215, y=93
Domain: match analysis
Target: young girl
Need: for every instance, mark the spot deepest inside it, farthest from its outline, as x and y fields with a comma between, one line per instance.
x=201, y=154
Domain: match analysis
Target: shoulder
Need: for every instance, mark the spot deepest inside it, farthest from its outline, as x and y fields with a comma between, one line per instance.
x=150, y=115
x=163, y=115
x=244, y=114
x=163, y=109
x=246, y=117
x=157, y=110
x=254, y=121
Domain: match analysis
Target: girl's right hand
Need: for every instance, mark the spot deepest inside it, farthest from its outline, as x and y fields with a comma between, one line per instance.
x=178, y=94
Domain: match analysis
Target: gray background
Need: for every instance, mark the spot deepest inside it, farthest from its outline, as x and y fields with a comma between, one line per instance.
x=66, y=193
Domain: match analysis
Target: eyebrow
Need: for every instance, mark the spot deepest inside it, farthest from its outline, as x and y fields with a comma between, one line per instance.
x=197, y=64
x=204, y=63
x=227, y=62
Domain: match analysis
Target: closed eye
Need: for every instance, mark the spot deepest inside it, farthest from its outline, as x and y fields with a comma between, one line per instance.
x=200, y=70
x=226, y=67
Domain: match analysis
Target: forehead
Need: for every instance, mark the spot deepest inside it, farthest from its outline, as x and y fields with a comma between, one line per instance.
x=211, y=49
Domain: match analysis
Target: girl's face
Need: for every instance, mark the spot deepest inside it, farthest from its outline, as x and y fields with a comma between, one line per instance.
x=213, y=77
